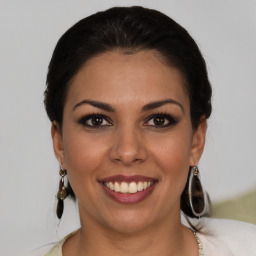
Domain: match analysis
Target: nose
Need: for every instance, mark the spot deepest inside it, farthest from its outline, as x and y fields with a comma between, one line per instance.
x=128, y=147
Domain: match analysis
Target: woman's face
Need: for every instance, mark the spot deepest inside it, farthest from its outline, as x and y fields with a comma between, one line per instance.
x=127, y=140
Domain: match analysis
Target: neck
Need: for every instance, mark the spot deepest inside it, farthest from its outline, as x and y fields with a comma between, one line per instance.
x=168, y=238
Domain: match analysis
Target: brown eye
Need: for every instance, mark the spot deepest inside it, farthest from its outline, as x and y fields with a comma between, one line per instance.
x=160, y=120
x=95, y=121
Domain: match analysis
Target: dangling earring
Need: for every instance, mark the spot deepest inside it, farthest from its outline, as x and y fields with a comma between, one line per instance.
x=62, y=193
x=196, y=194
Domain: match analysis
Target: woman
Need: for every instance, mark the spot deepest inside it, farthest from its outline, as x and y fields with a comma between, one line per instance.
x=128, y=96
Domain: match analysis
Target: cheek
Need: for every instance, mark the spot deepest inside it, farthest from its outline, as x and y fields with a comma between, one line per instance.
x=173, y=155
x=83, y=156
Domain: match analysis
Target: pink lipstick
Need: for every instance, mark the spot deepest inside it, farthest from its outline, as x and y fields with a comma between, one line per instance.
x=128, y=189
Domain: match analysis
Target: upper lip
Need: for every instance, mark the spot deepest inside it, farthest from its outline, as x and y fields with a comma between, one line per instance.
x=128, y=179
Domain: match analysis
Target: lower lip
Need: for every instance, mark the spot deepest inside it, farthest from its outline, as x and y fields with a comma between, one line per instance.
x=128, y=198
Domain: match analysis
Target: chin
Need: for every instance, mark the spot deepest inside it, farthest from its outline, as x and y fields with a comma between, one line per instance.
x=128, y=222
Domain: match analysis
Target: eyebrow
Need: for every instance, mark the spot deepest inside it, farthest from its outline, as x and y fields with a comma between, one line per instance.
x=96, y=104
x=149, y=106
x=157, y=104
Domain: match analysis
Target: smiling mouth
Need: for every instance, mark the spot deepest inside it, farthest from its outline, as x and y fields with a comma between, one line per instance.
x=128, y=189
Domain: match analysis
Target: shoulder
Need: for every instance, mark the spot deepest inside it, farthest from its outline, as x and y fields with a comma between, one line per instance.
x=57, y=249
x=52, y=249
x=228, y=237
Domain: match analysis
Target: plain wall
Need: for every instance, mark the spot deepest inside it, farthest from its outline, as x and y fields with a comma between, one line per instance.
x=226, y=33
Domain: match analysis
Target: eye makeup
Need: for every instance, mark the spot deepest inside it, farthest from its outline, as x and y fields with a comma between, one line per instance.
x=95, y=120
x=156, y=120
x=161, y=120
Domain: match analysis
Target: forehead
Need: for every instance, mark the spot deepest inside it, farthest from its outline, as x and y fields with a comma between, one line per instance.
x=137, y=77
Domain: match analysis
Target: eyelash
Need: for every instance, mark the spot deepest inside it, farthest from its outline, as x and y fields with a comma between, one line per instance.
x=86, y=118
x=171, y=121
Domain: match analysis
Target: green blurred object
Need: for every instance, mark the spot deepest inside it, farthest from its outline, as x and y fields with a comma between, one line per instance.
x=241, y=208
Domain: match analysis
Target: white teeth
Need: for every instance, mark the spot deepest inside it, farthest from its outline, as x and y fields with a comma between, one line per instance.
x=124, y=188
x=140, y=186
x=106, y=184
x=117, y=187
x=133, y=188
x=130, y=188
x=111, y=186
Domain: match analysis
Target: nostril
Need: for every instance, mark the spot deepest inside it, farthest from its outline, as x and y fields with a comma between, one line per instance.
x=128, y=147
x=128, y=158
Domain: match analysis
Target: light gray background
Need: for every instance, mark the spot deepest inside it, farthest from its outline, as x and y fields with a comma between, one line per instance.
x=226, y=33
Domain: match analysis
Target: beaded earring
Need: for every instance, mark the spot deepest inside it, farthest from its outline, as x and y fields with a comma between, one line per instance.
x=62, y=193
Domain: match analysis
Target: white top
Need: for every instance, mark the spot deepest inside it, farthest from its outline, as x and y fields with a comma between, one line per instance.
x=218, y=238
x=227, y=238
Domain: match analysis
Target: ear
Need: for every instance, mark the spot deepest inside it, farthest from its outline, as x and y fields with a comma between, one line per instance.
x=57, y=142
x=198, y=142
